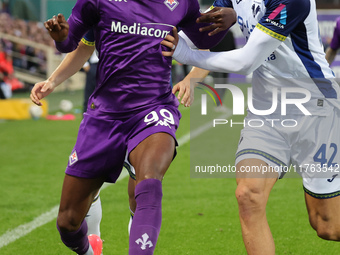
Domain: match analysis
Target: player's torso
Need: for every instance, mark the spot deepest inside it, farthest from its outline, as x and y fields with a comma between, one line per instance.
x=303, y=40
x=137, y=23
x=298, y=62
x=133, y=72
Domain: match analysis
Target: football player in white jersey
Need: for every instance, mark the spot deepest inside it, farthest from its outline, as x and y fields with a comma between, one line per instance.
x=284, y=53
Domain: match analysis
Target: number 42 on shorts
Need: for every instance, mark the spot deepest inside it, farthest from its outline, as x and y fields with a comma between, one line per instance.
x=320, y=155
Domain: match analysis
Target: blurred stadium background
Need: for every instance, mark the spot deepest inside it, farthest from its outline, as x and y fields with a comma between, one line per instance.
x=200, y=215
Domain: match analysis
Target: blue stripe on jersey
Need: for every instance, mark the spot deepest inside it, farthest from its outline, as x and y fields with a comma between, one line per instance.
x=300, y=44
x=283, y=18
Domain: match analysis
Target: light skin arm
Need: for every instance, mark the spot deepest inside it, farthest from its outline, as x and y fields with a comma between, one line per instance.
x=222, y=18
x=330, y=55
x=71, y=64
x=186, y=89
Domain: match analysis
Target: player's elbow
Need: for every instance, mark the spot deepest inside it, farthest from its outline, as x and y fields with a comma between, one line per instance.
x=65, y=49
x=245, y=67
x=66, y=46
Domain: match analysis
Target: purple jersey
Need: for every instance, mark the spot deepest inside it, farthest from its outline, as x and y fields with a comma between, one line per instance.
x=335, y=43
x=132, y=73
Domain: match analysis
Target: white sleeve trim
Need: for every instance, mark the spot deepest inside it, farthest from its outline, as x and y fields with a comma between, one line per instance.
x=242, y=61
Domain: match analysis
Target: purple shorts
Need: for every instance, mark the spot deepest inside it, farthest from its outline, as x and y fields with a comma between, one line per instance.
x=103, y=143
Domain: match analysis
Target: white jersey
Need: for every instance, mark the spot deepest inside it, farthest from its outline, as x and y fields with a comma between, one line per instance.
x=285, y=51
x=300, y=56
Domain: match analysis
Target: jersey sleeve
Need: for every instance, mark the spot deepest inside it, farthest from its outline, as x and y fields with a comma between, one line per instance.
x=222, y=3
x=89, y=39
x=335, y=43
x=83, y=17
x=242, y=61
x=282, y=17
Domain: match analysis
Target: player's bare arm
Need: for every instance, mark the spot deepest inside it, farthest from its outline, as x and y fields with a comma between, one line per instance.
x=41, y=90
x=185, y=92
x=221, y=17
x=186, y=88
x=71, y=64
x=57, y=27
x=330, y=55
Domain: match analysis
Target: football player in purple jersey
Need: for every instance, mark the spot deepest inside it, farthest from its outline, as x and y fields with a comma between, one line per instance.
x=132, y=111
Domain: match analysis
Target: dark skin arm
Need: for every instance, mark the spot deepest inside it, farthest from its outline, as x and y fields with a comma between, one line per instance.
x=57, y=27
x=221, y=17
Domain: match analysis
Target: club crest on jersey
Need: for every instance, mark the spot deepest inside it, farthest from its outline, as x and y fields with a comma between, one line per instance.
x=73, y=158
x=171, y=4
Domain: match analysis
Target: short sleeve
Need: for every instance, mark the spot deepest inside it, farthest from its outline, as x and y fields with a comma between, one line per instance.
x=283, y=16
x=83, y=17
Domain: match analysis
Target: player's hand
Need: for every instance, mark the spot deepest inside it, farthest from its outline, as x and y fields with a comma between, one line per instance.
x=57, y=27
x=221, y=17
x=170, y=42
x=185, y=92
x=41, y=90
x=179, y=48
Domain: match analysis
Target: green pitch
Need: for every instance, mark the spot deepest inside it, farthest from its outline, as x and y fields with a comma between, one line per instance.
x=200, y=215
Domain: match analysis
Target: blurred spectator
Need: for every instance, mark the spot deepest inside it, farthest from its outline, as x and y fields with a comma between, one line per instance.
x=24, y=57
x=5, y=89
x=7, y=74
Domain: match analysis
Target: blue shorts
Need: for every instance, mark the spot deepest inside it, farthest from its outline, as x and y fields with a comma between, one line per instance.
x=102, y=143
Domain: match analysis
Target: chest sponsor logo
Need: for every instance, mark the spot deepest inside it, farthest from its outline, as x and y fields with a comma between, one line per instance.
x=157, y=30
